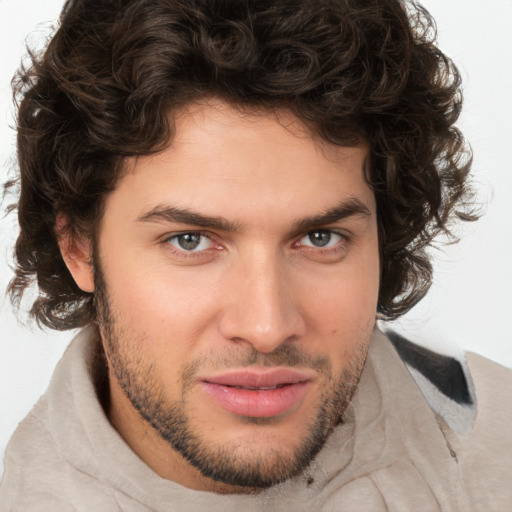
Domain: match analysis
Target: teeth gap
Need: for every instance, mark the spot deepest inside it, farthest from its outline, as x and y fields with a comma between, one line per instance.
x=262, y=388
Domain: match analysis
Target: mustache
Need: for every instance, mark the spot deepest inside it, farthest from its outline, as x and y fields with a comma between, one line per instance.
x=284, y=355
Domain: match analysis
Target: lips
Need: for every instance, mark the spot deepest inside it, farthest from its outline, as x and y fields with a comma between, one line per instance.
x=258, y=393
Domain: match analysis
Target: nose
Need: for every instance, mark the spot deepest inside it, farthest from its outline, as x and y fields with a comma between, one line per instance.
x=263, y=309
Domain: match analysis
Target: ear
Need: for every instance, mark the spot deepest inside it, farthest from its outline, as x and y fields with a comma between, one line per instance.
x=77, y=255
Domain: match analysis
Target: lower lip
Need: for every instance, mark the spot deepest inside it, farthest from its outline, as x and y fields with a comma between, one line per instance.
x=257, y=404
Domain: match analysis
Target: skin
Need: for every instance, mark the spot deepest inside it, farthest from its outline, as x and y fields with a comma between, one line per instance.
x=257, y=292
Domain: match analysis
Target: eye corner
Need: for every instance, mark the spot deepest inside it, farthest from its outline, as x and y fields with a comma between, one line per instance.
x=189, y=241
x=190, y=247
x=335, y=248
x=321, y=238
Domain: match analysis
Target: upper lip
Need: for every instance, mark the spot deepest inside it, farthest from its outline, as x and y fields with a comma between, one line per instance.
x=259, y=378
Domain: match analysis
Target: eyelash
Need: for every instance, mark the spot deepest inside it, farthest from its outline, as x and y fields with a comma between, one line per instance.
x=343, y=238
x=183, y=253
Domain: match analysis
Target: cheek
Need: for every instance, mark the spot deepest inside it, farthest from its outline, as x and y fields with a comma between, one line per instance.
x=343, y=311
x=347, y=297
x=170, y=312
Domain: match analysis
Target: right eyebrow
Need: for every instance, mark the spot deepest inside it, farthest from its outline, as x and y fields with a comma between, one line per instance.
x=348, y=208
x=185, y=216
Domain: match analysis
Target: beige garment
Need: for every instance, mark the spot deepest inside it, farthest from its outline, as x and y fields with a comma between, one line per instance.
x=392, y=454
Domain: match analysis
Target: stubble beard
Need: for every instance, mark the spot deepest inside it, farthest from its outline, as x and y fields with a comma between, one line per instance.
x=223, y=463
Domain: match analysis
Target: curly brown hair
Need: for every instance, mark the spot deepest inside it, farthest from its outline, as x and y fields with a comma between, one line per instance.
x=353, y=70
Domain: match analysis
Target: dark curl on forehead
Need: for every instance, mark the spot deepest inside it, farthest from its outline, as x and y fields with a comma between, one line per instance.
x=353, y=70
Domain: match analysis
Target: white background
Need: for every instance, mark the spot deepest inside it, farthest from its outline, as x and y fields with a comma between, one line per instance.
x=471, y=301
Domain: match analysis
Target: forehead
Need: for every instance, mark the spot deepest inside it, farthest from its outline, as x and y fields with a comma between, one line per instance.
x=239, y=161
x=218, y=125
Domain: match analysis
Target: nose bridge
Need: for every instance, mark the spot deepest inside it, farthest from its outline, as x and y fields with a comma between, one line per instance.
x=263, y=310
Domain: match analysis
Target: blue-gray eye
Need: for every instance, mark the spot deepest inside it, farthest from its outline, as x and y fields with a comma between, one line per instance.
x=320, y=238
x=190, y=242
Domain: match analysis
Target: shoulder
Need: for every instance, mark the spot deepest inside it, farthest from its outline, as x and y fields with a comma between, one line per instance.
x=445, y=381
x=464, y=391
x=47, y=460
x=38, y=477
x=471, y=380
x=472, y=399
x=31, y=463
x=493, y=389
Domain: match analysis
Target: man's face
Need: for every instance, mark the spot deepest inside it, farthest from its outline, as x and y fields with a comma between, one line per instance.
x=237, y=275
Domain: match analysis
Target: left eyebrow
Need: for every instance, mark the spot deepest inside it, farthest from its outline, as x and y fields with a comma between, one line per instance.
x=185, y=216
x=348, y=208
